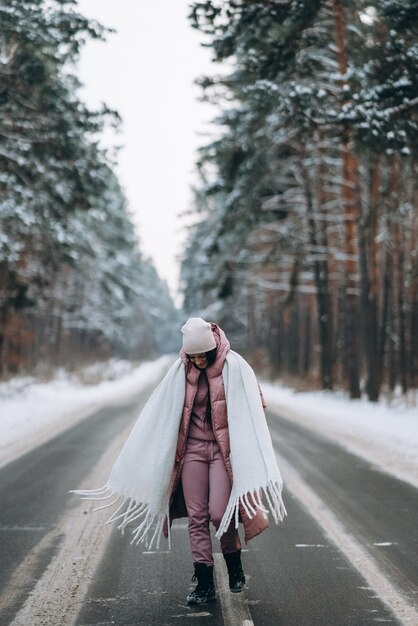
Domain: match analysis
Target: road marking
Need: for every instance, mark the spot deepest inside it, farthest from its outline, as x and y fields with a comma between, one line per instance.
x=23, y=528
x=58, y=594
x=23, y=576
x=234, y=606
x=346, y=543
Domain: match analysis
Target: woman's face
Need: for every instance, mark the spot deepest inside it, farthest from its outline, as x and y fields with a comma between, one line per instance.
x=199, y=360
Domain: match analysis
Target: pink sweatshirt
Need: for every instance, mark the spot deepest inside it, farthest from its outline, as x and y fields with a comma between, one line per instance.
x=200, y=428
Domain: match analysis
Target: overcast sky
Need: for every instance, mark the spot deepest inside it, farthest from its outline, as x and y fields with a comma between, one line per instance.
x=146, y=71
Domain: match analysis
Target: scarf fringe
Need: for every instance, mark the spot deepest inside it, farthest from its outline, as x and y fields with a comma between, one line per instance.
x=133, y=511
x=273, y=494
x=250, y=501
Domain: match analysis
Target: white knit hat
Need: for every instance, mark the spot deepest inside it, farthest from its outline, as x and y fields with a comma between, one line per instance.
x=197, y=336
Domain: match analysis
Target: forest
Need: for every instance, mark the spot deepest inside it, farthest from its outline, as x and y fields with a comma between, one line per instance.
x=305, y=235
x=303, y=243
x=74, y=285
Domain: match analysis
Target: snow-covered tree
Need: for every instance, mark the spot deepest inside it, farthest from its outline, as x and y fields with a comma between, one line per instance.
x=317, y=134
x=73, y=282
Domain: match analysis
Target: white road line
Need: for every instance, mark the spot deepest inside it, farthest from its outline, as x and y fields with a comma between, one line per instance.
x=234, y=606
x=22, y=577
x=346, y=543
x=57, y=596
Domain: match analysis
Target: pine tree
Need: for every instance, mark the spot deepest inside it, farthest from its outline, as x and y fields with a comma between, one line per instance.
x=302, y=187
x=74, y=284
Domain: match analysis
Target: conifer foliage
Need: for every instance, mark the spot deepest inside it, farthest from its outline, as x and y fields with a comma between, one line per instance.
x=74, y=285
x=305, y=241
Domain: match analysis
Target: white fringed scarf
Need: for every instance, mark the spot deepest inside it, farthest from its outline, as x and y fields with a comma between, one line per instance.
x=139, y=482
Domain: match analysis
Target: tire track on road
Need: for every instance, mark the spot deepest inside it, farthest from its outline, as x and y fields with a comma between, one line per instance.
x=35, y=489
x=82, y=539
x=329, y=520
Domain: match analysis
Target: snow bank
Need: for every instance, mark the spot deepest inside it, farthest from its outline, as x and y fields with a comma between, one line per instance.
x=33, y=412
x=385, y=435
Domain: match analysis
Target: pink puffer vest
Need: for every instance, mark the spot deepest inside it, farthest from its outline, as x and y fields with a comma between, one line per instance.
x=258, y=523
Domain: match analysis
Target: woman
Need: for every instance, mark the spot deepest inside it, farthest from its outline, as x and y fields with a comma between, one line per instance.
x=201, y=449
x=202, y=459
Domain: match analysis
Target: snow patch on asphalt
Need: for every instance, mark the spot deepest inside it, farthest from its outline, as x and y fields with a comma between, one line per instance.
x=399, y=604
x=385, y=435
x=58, y=594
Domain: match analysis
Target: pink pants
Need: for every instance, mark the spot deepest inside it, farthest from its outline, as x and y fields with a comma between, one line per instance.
x=206, y=489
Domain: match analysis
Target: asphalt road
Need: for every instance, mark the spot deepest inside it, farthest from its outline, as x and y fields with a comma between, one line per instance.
x=296, y=575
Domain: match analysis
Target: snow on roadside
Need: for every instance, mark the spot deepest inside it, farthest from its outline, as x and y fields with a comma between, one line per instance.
x=33, y=412
x=384, y=435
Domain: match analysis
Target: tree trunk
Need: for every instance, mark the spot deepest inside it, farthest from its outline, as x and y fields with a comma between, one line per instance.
x=370, y=284
x=350, y=198
x=323, y=299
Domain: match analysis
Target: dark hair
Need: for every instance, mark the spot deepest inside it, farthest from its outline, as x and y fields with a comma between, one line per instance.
x=211, y=356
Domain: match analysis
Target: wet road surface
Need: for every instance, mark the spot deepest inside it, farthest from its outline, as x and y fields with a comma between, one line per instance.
x=296, y=575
